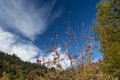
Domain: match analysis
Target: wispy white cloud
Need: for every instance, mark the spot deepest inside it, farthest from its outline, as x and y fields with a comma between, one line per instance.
x=23, y=17
x=23, y=49
x=26, y=51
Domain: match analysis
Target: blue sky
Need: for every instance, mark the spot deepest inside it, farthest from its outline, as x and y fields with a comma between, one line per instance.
x=26, y=27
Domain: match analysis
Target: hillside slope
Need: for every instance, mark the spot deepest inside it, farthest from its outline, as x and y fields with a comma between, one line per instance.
x=13, y=68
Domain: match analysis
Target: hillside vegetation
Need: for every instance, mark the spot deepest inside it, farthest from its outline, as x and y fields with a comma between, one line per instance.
x=12, y=68
x=107, y=32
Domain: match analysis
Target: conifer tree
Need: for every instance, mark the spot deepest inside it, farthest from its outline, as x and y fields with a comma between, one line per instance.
x=107, y=28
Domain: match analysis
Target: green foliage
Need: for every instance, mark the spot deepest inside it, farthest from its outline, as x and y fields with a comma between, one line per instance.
x=12, y=68
x=108, y=29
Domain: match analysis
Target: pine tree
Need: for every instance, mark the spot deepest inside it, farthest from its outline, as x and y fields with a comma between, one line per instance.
x=108, y=29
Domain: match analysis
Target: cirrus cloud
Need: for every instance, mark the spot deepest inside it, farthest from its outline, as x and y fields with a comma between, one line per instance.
x=26, y=18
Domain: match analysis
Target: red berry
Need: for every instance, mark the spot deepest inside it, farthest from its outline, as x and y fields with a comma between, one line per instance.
x=102, y=29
